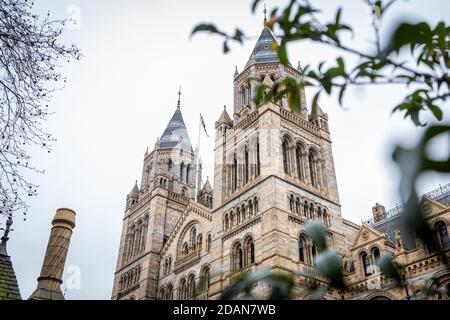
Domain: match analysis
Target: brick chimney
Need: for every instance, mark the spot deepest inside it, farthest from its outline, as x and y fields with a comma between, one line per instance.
x=379, y=212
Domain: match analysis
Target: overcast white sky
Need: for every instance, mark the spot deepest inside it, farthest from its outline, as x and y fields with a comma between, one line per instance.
x=119, y=98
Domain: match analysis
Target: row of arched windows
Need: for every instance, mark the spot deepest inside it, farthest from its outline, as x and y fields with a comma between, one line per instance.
x=185, y=173
x=308, y=209
x=369, y=261
x=192, y=243
x=130, y=278
x=240, y=213
x=242, y=254
x=307, y=251
x=135, y=238
x=242, y=167
x=245, y=95
x=303, y=164
x=188, y=287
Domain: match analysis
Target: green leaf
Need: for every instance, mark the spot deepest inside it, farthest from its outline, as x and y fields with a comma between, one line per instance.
x=254, y=5
x=389, y=267
x=436, y=111
x=330, y=265
x=341, y=94
x=226, y=49
x=282, y=54
x=238, y=36
x=317, y=232
x=206, y=27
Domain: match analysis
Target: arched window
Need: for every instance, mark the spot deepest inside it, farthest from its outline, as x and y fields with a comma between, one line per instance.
x=162, y=294
x=250, y=252
x=291, y=203
x=285, y=151
x=302, y=249
x=205, y=279
x=441, y=229
x=366, y=264
x=182, y=171
x=244, y=212
x=188, y=173
x=297, y=205
x=250, y=208
x=191, y=287
x=238, y=215
x=313, y=254
x=226, y=222
x=242, y=96
x=298, y=162
x=169, y=166
x=258, y=162
x=169, y=292
x=376, y=255
x=185, y=249
x=182, y=290
x=238, y=257
x=234, y=184
x=249, y=94
x=193, y=238
x=246, y=164
x=313, y=166
x=208, y=243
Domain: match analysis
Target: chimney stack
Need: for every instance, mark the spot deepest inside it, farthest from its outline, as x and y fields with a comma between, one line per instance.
x=50, y=280
x=379, y=212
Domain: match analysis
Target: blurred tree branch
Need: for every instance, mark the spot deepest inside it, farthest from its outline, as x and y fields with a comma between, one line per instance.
x=30, y=56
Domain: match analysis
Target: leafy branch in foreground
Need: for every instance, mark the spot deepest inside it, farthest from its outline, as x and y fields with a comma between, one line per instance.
x=30, y=56
x=424, y=68
x=416, y=57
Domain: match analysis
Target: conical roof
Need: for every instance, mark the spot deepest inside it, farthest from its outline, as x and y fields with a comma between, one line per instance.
x=176, y=132
x=225, y=118
x=135, y=191
x=265, y=49
x=207, y=188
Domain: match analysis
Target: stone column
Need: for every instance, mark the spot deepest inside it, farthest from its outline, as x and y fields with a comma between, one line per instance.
x=50, y=280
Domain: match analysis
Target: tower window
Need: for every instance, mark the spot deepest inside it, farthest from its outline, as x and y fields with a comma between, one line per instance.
x=443, y=234
x=285, y=150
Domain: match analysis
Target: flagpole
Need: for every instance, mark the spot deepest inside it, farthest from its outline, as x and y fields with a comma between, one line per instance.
x=198, y=159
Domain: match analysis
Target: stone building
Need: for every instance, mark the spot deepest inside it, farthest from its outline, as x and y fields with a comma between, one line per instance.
x=273, y=173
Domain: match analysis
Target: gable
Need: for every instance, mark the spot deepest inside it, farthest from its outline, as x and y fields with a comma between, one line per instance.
x=366, y=235
x=194, y=213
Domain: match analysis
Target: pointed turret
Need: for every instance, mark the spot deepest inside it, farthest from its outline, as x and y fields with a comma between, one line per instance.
x=176, y=133
x=9, y=289
x=135, y=191
x=224, y=118
x=207, y=188
x=265, y=50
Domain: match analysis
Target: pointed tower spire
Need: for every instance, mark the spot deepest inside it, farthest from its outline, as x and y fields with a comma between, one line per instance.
x=265, y=15
x=176, y=132
x=9, y=289
x=179, y=98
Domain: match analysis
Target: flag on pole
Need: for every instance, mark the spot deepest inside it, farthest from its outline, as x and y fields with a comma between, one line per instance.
x=203, y=124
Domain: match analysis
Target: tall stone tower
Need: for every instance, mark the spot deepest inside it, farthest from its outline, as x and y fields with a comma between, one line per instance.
x=151, y=211
x=50, y=280
x=274, y=172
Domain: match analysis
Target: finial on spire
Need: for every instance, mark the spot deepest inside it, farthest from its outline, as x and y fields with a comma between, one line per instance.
x=5, y=237
x=265, y=12
x=179, y=97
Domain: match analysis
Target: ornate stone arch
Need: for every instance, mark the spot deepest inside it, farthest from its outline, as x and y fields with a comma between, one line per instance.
x=379, y=295
x=183, y=233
